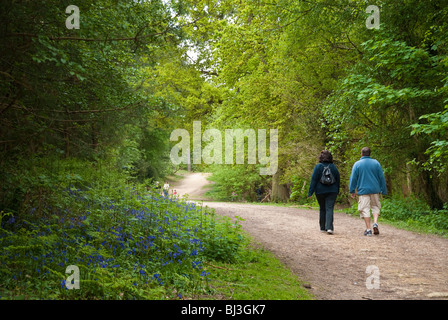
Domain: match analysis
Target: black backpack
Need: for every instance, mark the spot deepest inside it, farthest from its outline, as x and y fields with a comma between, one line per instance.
x=327, y=176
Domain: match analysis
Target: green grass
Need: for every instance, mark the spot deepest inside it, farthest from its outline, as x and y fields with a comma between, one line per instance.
x=257, y=275
x=410, y=214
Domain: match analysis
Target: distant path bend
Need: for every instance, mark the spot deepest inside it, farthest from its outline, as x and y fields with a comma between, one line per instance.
x=194, y=185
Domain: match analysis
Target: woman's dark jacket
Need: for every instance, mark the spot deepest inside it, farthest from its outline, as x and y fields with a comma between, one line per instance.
x=317, y=187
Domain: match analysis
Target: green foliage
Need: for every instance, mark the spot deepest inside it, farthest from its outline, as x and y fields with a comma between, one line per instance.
x=381, y=110
x=82, y=93
x=257, y=275
x=106, y=97
x=235, y=182
x=299, y=190
x=383, y=96
x=128, y=241
x=314, y=71
x=413, y=210
x=436, y=126
x=412, y=213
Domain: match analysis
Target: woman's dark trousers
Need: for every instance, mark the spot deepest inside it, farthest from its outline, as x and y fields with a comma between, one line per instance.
x=326, y=207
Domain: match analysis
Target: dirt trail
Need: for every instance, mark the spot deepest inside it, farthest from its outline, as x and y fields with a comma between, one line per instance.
x=194, y=185
x=408, y=265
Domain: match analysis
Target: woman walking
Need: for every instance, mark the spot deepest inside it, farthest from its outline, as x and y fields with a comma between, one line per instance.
x=325, y=183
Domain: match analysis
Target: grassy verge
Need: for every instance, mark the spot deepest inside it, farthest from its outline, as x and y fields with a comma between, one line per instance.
x=411, y=214
x=257, y=275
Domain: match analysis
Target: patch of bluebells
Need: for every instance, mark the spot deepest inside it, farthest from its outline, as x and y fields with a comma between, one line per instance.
x=163, y=233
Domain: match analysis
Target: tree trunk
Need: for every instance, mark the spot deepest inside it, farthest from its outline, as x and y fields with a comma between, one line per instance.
x=427, y=186
x=67, y=140
x=280, y=192
x=388, y=184
x=94, y=136
x=429, y=190
x=427, y=183
x=409, y=179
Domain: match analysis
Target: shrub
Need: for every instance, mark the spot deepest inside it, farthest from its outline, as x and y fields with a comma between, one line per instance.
x=413, y=211
x=240, y=180
x=128, y=242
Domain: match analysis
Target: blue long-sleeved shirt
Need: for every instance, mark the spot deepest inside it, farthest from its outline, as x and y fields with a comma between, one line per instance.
x=367, y=177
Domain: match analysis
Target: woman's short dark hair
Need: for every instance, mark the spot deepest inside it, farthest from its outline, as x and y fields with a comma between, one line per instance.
x=326, y=156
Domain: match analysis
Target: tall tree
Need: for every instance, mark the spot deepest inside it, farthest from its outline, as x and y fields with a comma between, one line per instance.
x=400, y=78
x=73, y=90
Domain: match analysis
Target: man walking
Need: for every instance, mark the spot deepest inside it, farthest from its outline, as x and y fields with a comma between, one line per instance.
x=367, y=179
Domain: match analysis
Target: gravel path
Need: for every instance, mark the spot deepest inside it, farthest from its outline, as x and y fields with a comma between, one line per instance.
x=405, y=265
x=193, y=184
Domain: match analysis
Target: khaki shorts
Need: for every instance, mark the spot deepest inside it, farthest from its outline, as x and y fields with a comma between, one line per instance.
x=367, y=202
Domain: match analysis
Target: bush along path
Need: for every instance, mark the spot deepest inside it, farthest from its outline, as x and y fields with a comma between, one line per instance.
x=138, y=245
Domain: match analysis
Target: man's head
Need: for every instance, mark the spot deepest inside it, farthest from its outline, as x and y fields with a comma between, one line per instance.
x=365, y=152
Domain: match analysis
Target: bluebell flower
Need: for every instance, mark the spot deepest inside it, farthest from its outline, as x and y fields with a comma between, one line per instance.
x=196, y=265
